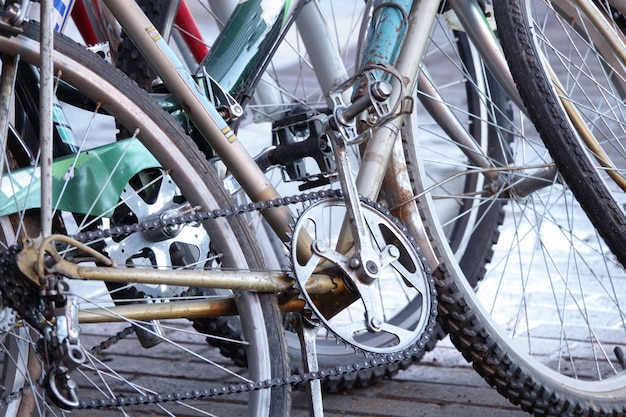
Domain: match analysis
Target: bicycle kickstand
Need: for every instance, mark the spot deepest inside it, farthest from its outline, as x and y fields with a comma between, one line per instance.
x=307, y=332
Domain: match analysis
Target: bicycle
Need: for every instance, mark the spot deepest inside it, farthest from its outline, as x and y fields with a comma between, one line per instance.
x=389, y=230
x=331, y=354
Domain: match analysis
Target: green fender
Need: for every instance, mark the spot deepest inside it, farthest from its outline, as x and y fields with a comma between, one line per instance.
x=96, y=180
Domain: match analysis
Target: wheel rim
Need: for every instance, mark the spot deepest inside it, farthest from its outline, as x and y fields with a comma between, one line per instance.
x=254, y=328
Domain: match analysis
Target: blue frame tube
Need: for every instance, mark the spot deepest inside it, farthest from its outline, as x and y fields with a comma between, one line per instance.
x=389, y=27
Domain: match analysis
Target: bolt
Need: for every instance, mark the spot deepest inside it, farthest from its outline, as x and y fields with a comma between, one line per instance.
x=371, y=266
x=393, y=251
x=319, y=246
x=70, y=383
x=236, y=110
x=381, y=90
x=375, y=324
x=372, y=119
x=355, y=263
x=12, y=12
x=324, y=142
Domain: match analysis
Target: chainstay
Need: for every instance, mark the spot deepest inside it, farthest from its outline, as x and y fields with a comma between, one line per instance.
x=370, y=360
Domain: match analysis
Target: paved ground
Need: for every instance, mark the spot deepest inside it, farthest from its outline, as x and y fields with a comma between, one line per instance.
x=443, y=384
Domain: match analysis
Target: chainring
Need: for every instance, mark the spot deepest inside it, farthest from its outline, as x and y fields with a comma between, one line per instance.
x=403, y=296
x=179, y=246
x=331, y=197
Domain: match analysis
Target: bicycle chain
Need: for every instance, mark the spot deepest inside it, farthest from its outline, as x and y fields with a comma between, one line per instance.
x=122, y=334
x=117, y=231
x=379, y=360
x=370, y=359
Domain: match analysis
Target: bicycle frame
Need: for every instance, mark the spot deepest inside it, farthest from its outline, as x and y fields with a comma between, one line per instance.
x=382, y=159
x=217, y=132
x=378, y=155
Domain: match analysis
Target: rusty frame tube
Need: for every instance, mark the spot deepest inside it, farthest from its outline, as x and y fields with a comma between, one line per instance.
x=160, y=311
x=259, y=281
x=188, y=309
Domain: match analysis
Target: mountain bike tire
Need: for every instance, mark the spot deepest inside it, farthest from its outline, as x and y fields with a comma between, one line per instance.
x=102, y=85
x=545, y=327
x=595, y=94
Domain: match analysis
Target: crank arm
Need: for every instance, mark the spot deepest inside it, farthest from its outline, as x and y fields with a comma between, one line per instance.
x=352, y=270
x=342, y=132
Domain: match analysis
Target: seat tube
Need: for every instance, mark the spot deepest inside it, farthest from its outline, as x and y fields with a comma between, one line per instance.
x=409, y=57
x=321, y=48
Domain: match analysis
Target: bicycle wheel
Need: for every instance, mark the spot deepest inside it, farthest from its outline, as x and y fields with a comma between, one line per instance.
x=165, y=175
x=291, y=80
x=579, y=73
x=546, y=326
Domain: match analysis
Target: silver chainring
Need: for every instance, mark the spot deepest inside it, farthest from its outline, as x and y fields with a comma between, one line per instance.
x=402, y=296
x=186, y=245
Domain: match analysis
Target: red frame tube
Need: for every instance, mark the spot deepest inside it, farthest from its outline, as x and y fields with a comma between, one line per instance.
x=190, y=32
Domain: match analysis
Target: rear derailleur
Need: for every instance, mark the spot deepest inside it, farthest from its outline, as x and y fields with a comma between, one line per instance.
x=59, y=347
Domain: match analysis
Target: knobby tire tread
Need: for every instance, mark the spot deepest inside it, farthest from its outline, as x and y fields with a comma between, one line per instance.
x=479, y=342
x=556, y=132
x=479, y=251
